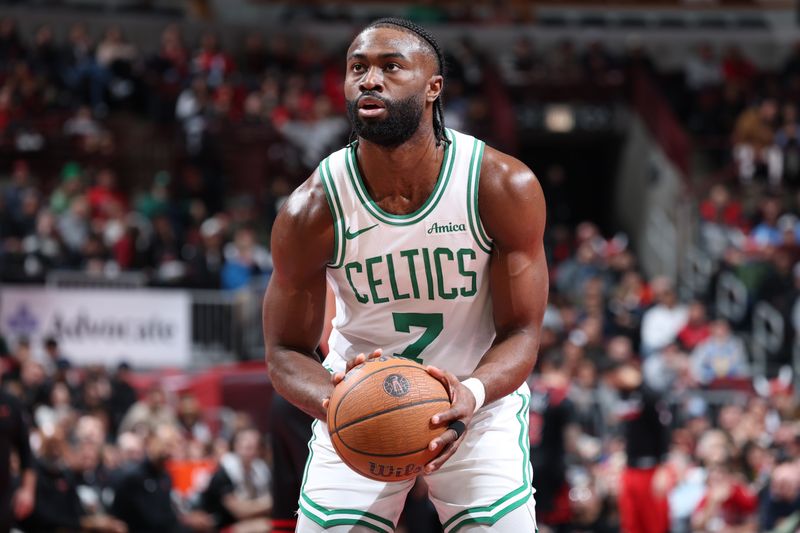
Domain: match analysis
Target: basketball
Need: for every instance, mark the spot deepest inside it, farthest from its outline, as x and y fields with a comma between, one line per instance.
x=379, y=418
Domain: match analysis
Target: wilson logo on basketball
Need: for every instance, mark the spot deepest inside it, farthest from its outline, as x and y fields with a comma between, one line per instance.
x=396, y=385
x=385, y=471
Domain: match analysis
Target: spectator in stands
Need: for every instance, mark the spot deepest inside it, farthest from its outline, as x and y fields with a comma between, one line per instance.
x=736, y=68
x=131, y=449
x=58, y=506
x=697, y=328
x=703, y=70
x=782, y=499
x=720, y=356
x=14, y=191
x=115, y=57
x=53, y=357
x=190, y=420
x=80, y=69
x=15, y=502
x=58, y=413
x=205, y=260
x=92, y=475
x=722, y=220
x=767, y=233
x=238, y=494
x=149, y=413
x=728, y=505
x=20, y=355
x=211, y=61
x=553, y=433
x=753, y=143
x=573, y=274
x=104, y=196
x=123, y=396
x=142, y=495
x=165, y=72
x=668, y=370
x=245, y=260
x=644, y=418
x=662, y=322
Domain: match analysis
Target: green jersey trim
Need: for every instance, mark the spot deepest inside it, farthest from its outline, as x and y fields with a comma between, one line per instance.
x=492, y=513
x=327, y=518
x=335, y=205
x=473, y=215
x=401, y=220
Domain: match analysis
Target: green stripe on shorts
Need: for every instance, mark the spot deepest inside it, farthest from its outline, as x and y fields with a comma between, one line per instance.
x=336, y=517
x=517, y=497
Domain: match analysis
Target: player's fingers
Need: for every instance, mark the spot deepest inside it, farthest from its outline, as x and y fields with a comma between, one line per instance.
x=442, y=458
x=337, y=378
x=376, y=353
x=325, y=403
x=445, y=417
x=447, y=379
x=446, y=438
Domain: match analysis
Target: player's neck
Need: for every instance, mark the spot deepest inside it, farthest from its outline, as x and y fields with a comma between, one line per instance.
x=392, y=169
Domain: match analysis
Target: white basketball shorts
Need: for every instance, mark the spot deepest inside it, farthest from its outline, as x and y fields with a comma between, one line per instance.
x=488, y=477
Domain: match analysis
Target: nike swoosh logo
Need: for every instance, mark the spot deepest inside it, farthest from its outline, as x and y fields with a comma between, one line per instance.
x=353, y=234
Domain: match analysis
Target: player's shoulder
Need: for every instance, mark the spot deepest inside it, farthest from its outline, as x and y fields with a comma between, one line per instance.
x=303, y=232
x=510, y=200
x=306, y=208
x=503, y=174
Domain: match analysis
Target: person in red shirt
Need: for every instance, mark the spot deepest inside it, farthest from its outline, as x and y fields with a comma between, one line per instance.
x=728, y=505
x=211, y=61
x=696, y=329
x=104, y=194
x=719, y=207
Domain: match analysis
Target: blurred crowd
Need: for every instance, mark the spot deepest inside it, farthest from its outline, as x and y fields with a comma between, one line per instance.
x=111, y=456
x=645, y=413
x=249, y=125
x=642, y=400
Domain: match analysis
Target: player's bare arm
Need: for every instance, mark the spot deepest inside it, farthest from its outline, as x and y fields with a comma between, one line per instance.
x=512, y=209
x=295, y=302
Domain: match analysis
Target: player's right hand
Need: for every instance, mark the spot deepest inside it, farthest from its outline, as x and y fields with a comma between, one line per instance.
x=337, y=377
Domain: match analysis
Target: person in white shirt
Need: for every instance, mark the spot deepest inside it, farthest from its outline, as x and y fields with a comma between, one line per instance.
x=662, y=322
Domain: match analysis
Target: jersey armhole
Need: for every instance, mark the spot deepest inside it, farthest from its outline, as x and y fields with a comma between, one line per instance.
x=473, y=214
x=335, y=205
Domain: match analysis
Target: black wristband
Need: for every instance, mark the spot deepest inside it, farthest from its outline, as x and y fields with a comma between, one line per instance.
x=459, y=427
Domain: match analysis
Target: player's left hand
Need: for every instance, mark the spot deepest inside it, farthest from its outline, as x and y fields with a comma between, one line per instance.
x=23, y=502
x=462, y=407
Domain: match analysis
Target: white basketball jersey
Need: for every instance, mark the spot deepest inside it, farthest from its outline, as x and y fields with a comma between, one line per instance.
x=415, y=285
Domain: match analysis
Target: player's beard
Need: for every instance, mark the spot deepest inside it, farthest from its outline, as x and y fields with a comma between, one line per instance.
x=400, y=122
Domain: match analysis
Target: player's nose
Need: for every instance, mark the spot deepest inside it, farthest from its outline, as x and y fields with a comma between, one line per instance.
x=372, y=80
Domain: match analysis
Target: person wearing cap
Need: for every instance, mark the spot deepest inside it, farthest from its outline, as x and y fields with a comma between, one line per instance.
x=70, y=186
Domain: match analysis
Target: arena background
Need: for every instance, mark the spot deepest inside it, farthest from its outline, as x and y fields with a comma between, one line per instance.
x=146, y=146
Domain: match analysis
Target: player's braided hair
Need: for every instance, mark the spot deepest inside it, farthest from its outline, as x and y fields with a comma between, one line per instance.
x=422, y=33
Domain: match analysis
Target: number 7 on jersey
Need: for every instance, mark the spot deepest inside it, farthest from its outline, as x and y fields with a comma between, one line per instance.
x=433, y=324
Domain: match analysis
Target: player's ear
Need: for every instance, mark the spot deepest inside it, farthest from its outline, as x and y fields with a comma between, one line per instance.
x=435, y=86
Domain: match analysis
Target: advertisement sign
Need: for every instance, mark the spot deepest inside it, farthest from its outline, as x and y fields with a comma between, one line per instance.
x=147, y=328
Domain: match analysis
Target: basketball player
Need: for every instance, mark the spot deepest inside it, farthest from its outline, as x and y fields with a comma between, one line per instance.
x=432, y=244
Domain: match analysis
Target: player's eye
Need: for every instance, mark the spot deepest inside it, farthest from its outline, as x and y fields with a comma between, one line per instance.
x=357, y=67
x=391, y=67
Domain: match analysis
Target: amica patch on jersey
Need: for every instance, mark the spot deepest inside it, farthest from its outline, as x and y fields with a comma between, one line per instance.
x=435, y=228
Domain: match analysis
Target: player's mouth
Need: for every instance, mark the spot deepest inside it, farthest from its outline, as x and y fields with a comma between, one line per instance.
x=369, y=107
